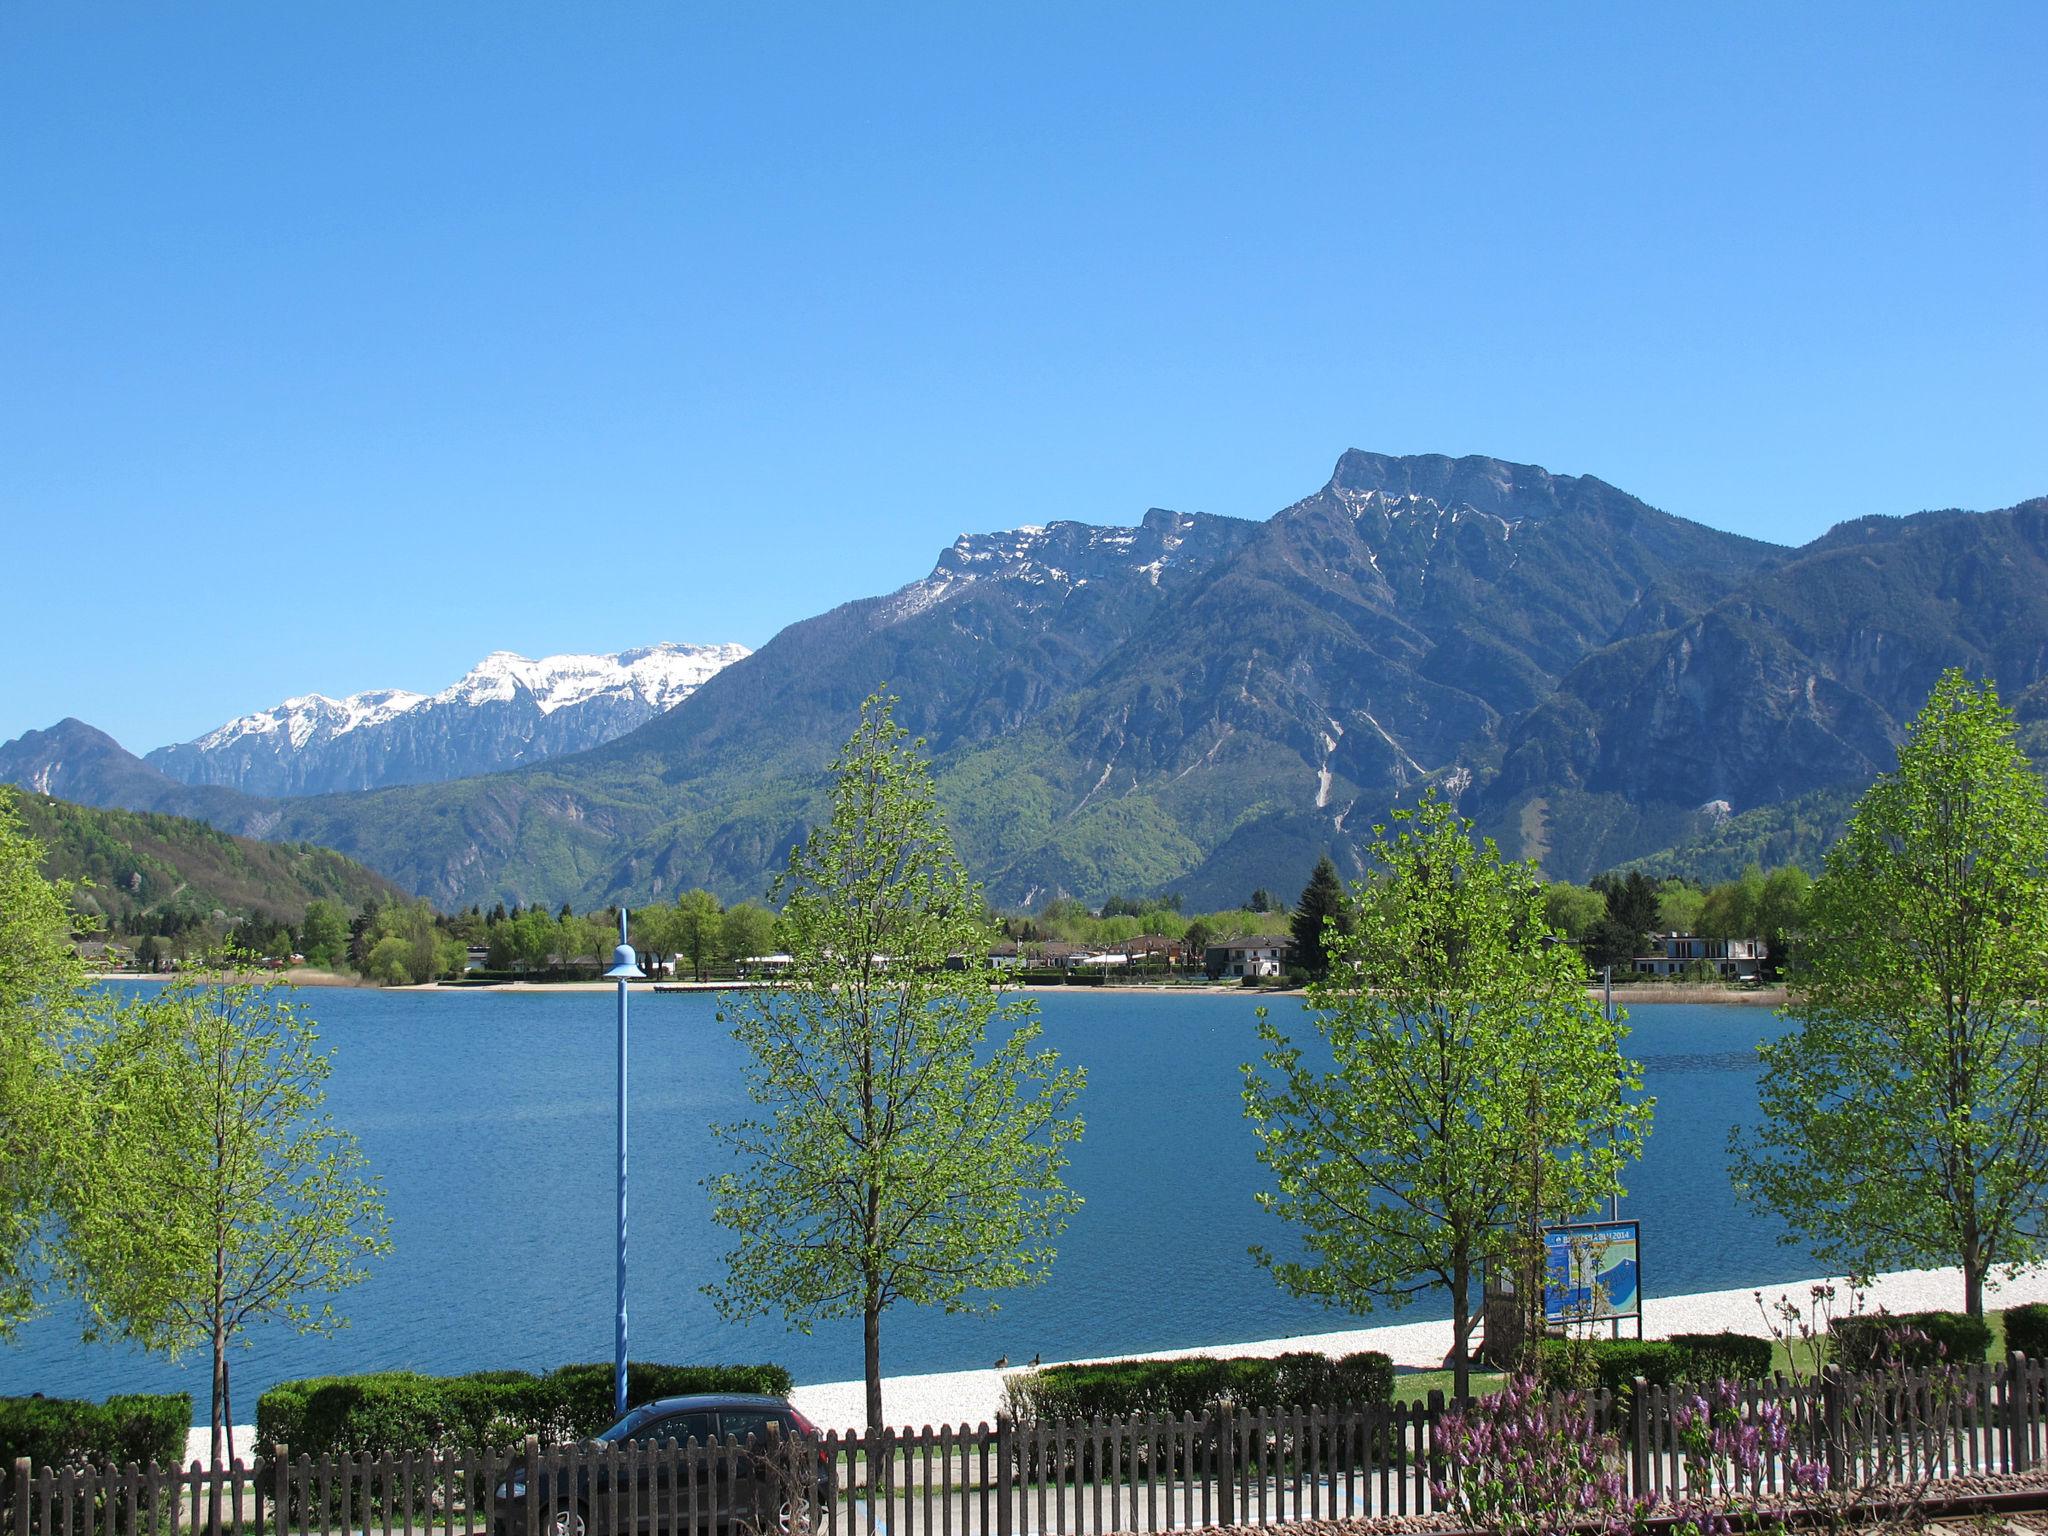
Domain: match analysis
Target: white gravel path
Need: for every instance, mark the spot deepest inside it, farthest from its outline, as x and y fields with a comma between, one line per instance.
x=972, y=1397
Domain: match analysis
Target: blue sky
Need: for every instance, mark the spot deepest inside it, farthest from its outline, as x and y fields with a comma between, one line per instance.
x=344, y=343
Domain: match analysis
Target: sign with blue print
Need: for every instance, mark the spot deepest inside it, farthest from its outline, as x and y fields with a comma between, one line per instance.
x=1592, y=1271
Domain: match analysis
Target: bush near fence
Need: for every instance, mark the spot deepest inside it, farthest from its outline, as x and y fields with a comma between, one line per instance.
x=2026, y=1330
x=68, y=1432
x=1915, y=1340
x=401, y=1411
x=1686, y=1357
x=1199, y=1385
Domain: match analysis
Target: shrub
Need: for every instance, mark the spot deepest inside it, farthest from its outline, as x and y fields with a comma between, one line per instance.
x=1725, y=1356
x=1914, y=1340
x=1566, y=1364
x=2026, y=1330
x=1198, y=1385
x=403, y=1411
x=57, y=1432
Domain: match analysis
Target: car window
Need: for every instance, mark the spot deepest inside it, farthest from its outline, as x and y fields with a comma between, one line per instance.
x=739, y=1423
x=679, y=1427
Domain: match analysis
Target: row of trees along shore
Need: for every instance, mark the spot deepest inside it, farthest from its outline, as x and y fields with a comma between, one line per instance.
x=911, y=1130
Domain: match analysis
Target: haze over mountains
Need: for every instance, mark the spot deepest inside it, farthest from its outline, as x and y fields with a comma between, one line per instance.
x=1204, y=704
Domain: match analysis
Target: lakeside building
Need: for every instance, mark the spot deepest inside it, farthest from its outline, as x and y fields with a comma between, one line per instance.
x=1233, y=959
x=1681, y=954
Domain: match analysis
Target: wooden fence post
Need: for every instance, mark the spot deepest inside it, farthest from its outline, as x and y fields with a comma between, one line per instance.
x=532, y=1485
x=2019, y=1428
x=1224, y=1439
x=1832, y=1420
x=1639, y=1440
x=281, y=1495
x=1005, y=1476
x=21, y=1501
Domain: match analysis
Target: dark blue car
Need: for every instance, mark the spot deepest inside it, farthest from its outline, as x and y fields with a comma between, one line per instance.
x=728, y=1493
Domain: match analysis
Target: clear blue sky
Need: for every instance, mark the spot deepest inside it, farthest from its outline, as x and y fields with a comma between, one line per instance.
x=340, y=344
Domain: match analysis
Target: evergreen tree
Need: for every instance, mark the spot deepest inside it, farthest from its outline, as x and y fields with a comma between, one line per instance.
x=1321, y=905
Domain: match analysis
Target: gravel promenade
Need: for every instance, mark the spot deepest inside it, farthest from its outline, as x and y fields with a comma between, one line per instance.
x=972, y=1397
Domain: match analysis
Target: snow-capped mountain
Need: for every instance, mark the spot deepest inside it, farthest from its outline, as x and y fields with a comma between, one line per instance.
x=506, y=710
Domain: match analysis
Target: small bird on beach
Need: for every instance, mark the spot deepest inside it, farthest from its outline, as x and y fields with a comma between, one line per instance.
x=1002, y=1362
x=1034, y=1360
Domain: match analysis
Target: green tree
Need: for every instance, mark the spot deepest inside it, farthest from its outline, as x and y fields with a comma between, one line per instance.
x=219, y=1195
x=1573, y=910
x=904, y=1155
x=746, y=930
x=323, y=934
x=1903, y=1117
x=697, y=930
x=39, y=977
x=1474, y=1088
x=1679, y=906
x=1321, y=905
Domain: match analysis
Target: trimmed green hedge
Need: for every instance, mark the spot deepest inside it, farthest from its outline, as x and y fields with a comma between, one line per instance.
x=1862, y=1343
x=2026, y=1330
x=1198, y=1385
x=402, y=1411
x=58, y=1432
x=1616, y=1363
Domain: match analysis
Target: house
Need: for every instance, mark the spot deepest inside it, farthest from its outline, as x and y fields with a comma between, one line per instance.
x=1155, y=950
x=1682, y=954
x=1233, y=959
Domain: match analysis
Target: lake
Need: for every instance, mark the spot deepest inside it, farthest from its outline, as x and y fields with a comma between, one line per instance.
x=489, y=1118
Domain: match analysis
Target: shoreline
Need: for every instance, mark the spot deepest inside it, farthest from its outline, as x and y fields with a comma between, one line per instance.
x=1702, y=994
x=975, y=1396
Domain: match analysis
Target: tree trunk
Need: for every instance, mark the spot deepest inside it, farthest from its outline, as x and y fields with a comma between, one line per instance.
x=1973, y=1282
x=1461, y=1322
x=871, y=1341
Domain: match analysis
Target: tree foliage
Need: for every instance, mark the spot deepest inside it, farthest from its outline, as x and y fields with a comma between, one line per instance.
x=218, y=1195
x=39, y=977
x=1472, y=1085
x=1904, y=1116
x=903, y=1155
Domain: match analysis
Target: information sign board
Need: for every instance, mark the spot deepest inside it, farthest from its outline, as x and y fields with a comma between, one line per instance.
x=1593, y=1271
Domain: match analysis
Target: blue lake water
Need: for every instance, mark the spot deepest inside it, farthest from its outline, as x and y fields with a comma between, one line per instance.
x=489, y=1119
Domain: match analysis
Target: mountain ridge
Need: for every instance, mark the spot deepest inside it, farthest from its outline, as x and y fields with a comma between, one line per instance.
x=1201, y=704
x=505, y=710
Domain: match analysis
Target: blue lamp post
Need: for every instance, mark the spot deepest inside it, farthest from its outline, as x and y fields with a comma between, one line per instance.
x=625, y=968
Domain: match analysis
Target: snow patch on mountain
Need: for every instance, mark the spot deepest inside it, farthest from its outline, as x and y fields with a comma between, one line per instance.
x=658, y=676
x=1052, y=558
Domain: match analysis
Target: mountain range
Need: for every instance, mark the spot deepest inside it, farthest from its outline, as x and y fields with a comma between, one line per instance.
x=1203, y=704
x=506, y=710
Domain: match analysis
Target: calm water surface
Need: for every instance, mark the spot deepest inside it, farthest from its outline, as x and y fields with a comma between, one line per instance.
x=489, y=1118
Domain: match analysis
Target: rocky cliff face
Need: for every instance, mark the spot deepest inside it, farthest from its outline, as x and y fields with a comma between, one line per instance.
x=506, y=711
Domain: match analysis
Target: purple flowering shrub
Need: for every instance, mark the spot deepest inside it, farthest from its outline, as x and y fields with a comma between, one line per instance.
x=1731, y=1450
x=1521, y=1463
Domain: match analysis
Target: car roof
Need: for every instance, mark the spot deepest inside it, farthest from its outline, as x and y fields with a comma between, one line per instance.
x=710, y=1400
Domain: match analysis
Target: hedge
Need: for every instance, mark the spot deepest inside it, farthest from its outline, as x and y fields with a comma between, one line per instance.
x=402, y=1411
x=59, y=1432
x=1198, y=1385
x=2026, y=1330
x=1861, y=1343
x=1616, y=1363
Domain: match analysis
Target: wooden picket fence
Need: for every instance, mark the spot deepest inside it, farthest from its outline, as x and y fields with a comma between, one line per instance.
x=1126, y=1475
